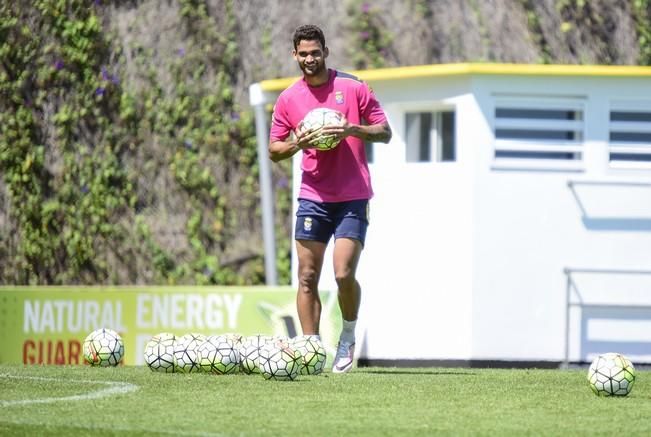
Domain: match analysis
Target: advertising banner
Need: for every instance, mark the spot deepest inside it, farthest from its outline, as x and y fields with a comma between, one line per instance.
x=47, y=325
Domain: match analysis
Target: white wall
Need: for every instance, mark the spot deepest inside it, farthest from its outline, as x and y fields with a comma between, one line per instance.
x=466, y=259
x=532, y=227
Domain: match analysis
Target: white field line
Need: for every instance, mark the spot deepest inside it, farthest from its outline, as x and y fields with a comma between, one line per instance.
x=114, y=388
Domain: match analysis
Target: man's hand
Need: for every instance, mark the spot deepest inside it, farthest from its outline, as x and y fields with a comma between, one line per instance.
x=339, y=131
x=308, y=138
x=380, y=133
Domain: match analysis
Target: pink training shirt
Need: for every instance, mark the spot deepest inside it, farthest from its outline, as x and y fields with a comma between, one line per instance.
x=340, y=174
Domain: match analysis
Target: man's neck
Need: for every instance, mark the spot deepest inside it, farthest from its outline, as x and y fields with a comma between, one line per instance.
x=319, y=79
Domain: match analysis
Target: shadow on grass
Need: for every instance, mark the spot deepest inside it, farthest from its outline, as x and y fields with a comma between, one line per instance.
x=414, y=372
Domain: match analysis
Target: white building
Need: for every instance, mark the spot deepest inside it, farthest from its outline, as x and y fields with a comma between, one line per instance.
x=512, y=217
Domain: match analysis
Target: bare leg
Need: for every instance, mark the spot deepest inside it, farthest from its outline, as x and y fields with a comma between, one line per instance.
x=308, y=303
x=346, y=257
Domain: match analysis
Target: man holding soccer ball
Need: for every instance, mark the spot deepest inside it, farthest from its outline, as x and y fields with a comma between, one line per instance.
x=335, y=185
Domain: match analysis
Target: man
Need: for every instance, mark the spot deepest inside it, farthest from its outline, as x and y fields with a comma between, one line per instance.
x=335, y=186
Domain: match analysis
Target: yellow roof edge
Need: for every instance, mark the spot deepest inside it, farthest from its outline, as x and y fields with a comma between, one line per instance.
x=433, y=70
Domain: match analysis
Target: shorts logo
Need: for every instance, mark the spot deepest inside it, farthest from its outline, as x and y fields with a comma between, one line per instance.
x=339, y=97
x=307, y=224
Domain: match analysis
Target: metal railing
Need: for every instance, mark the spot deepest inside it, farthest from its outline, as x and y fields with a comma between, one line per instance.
x=571, y=286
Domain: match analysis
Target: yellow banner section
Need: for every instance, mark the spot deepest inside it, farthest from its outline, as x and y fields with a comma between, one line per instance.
x=47, y=325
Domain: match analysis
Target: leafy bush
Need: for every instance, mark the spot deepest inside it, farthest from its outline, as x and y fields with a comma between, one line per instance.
x=117, y=169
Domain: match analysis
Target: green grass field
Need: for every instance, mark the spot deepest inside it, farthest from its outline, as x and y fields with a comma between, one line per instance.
x=82, y=400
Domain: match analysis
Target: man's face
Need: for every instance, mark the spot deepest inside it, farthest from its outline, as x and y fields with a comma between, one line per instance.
x=311, y=57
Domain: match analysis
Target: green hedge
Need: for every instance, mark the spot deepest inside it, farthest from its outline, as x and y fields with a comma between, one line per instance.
x=112, y=179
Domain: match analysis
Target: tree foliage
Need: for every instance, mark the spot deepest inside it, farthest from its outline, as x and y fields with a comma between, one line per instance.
x=96, y=168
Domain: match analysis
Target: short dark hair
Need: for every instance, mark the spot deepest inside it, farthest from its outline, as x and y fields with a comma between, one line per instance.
x=308, y=32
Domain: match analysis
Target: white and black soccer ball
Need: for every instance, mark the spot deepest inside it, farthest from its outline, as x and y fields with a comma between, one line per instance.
x=279, y=340
x=219, y=355
x=103, y=347
x=234, y=337
x=250, y=351
x=313, y=354
x=279, y=362
x=317, y=119
x=611, y=374
x=159, y=352
x=185, y=353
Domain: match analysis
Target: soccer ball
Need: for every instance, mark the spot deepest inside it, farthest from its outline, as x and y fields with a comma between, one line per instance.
x=279, y=340
x=234, y=337
x=185, y=353
x=611, y=374
x=317, y=119
x=219, y=355
x=103, y=347
x=250, y=351
x=159, y=352
x=313, y=354
x=279, y=362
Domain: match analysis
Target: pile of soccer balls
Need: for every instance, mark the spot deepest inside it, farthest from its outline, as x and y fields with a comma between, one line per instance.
x=276, y=358
x=315, y=120
x=611, y=374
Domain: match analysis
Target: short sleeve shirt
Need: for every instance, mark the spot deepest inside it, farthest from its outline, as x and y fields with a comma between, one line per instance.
x=340, y=174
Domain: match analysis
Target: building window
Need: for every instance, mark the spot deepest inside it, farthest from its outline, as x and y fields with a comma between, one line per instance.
x=430, y=136
x=630, y=134
x=538, y=129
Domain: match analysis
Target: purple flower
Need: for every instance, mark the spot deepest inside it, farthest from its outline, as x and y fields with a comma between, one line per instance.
x=58, y=65
x=181, y=52
x=364, y=35
x=110, y=77
x=282, y=183
x=100, y=91
x=235, y=115
x=187, y=144
x=366, y=8
x=84, y=189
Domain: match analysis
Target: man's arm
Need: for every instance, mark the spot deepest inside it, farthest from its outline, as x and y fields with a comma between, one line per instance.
x=279, y=150
x=377, y=133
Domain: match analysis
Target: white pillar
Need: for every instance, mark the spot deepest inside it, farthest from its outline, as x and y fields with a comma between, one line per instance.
x=256, y=98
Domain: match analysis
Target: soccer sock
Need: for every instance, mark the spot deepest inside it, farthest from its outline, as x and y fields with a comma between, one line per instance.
x=348, y=331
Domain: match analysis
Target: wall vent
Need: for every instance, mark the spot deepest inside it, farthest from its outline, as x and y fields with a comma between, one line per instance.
x=629, y=142
x=539, y=129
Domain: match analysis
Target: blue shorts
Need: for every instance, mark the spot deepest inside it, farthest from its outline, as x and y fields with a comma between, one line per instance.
x=318, y=221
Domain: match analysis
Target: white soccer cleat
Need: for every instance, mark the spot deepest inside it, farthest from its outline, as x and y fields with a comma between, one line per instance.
x=344, y=358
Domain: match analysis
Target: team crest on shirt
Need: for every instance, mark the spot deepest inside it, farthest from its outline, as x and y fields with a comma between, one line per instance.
x=307, y=224
x=339, y=97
